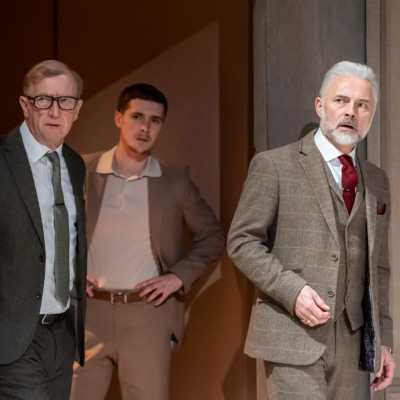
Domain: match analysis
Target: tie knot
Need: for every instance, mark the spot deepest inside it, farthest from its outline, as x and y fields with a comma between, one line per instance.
x=53, y=157
x=346, y=160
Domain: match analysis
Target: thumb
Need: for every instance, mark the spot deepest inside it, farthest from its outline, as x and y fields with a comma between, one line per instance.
x=320, y=303
x=92, y=280
x=379, y=373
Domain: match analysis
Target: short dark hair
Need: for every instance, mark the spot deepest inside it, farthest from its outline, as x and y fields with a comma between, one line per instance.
x=143, y=91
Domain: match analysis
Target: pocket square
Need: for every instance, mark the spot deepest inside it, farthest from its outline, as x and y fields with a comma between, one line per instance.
x=381, y=208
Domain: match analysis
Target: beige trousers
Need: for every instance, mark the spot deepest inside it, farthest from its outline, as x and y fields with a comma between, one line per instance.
x=135, y=338
x=335, y=376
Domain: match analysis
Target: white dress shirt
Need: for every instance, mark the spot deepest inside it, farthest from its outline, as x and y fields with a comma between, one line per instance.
x=42, y=171
x=331, y=156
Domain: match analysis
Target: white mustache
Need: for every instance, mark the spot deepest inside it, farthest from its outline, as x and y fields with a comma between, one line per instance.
x=351, y=123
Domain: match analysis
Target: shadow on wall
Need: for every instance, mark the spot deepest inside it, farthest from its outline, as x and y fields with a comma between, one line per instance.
x=191, y=136
x=211, y=359
x=307, y=128
x=191, y=133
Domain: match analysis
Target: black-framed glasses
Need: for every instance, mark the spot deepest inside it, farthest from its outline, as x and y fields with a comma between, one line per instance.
x=44, y=102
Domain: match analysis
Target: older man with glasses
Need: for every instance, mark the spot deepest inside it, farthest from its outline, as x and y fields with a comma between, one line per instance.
x=42, y=247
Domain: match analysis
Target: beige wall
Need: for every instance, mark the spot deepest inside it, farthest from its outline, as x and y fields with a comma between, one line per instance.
x=191, y=133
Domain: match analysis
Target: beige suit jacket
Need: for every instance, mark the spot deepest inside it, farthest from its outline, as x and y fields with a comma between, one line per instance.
x=284, y=236
x=175, y=206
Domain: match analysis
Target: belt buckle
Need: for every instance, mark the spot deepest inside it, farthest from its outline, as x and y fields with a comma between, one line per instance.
x=45, y=321
x=117, y=295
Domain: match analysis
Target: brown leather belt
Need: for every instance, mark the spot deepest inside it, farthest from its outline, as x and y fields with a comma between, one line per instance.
x=116, y=296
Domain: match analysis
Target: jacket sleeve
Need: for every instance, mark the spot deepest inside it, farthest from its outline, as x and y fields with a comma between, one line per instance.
x=249, y=238
x=207, y=236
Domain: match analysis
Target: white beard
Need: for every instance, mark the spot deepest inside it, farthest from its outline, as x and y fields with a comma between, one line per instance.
x=344, y=139
x=338, y=137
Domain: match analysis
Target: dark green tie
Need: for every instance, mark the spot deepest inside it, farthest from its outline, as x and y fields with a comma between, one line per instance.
x=61, y=231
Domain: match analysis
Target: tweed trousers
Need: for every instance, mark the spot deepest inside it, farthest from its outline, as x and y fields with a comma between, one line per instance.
x=334, y=376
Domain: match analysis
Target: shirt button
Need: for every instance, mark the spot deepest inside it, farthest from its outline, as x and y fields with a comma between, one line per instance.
x=331, y=293
x=334, y=257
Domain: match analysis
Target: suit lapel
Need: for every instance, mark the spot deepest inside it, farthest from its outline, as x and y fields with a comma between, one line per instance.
x=311, y=160
x=21, y=171
x=74, y=170
x=95, y=186
x=371, y=207
x=359, y=199
x=156, y=192
x=332, y=183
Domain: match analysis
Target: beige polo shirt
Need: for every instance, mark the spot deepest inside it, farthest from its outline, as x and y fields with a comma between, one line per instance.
x=120, y=254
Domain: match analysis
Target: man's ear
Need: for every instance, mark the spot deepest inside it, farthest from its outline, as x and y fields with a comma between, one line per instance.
x=24, y=106
x=318, y=106
x=77, y=109
x=117, y=119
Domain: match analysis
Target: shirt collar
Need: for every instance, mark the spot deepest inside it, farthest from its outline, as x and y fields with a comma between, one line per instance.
x=105, y=166
x=34, y=149
x=328, y=151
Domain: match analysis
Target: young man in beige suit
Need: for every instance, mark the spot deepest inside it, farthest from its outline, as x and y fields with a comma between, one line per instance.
x=310, y=232
x=139, y=263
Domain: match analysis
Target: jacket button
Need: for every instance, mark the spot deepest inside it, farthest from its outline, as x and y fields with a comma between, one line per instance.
x=42, y=258
x=334, y=257
x=331, y=293
x=38, y=296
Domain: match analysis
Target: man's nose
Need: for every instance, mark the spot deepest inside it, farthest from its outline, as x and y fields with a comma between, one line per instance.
x=146, y=126
x=54, y=110
x=350, y=109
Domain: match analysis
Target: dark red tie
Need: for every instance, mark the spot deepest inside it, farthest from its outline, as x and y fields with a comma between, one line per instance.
x=349, y=181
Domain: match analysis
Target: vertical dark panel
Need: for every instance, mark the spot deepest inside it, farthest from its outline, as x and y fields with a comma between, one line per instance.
x=56, y=29
x=26, y=37
x=302, y=40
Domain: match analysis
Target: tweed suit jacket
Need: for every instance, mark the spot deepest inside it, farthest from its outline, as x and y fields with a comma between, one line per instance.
x=175, y=206
x=22, y=250
x=284, y=235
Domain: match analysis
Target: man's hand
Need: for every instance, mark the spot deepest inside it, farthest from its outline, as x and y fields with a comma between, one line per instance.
x=91, y=283
x=384, y=376
x=310, y=308
x=157, y=290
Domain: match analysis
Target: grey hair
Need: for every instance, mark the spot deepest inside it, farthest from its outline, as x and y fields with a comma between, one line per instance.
x=361, y=71
x=48, y=69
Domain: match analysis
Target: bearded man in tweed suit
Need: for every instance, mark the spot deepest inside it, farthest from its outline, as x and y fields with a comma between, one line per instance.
x=310, y=232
